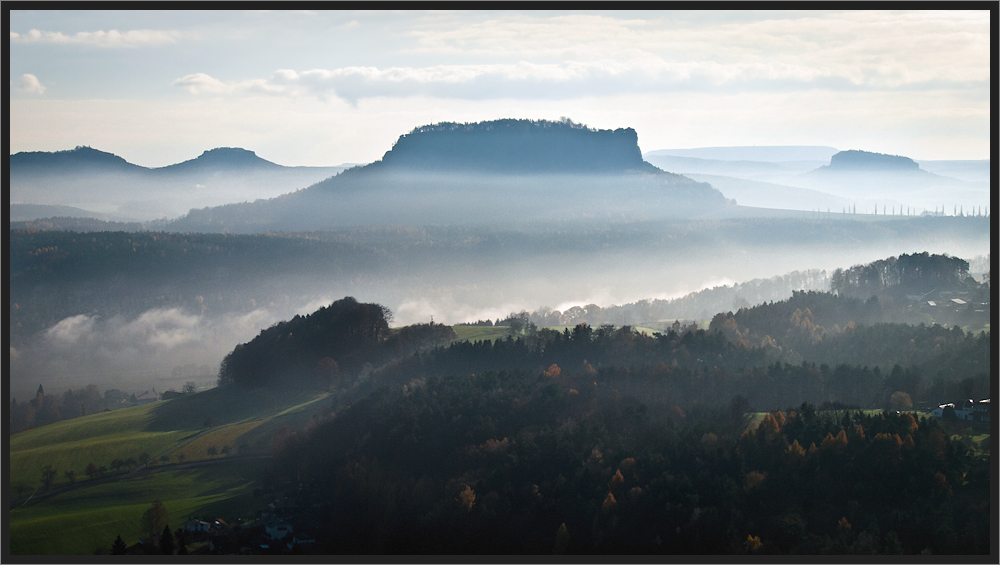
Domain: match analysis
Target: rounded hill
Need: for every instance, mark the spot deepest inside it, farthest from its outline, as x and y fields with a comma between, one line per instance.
x=223, y=158
x=73, y=161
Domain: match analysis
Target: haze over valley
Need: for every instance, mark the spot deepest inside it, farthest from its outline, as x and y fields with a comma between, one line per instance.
x=450, y=225
x=492, y=282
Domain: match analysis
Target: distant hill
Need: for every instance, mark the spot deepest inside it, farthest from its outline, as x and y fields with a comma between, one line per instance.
x=893, y=180
x=967, y=170
x=761, y=194
x=74, y=161
x=854, y=160
x=222, y=159
x=483, y=173
x=517, y=146
x=766, y=153
x=110, y=186
x=695, y=165
x=28, y=212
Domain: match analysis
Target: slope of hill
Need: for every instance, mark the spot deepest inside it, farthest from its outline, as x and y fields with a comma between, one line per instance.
x=168, y=443
x=486, y=173
x=762, y=194
x=967, y=170
x=766, y=153
x=29, y=212
x=227, y=159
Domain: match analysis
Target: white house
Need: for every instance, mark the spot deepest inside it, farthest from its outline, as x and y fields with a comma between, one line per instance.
x=197, y=526
x=276, y=528
x=971, y=411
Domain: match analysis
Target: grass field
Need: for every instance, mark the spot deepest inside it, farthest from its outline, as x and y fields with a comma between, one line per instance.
x=93, y=513
x=79, y=521
x=152, y=429
x=480, y=333
x=491, y=333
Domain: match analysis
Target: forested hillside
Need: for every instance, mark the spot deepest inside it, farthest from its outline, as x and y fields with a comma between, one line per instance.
x=538, y=463
x=607, y=440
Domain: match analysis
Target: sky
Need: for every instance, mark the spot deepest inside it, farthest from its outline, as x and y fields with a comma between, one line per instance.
x=306, y=88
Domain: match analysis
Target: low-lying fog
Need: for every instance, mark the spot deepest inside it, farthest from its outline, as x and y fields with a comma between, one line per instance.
x=166, y=347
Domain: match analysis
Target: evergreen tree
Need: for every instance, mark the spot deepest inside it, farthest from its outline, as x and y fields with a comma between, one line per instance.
x=167, y=541
x=118, y=547
x=181, y=544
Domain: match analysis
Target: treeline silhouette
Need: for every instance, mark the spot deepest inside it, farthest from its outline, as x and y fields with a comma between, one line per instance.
x=313, y=350
x=919, y=274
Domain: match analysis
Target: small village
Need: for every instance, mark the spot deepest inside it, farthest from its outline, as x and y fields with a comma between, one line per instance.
x=277, y=530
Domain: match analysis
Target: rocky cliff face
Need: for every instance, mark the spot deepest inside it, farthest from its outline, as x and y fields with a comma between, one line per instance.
x=516, y=146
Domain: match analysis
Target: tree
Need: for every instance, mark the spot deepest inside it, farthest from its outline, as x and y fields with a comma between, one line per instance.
x=70, y=475
x=189, y=388
x=327, y=371
x=154, y=519
x=91, y=470
x=562, y=540
x=48, y=475
x=212, y=452
x=467, y=498
x=118, y=547
x=900, y=401
x=181, y=543
x=167, y=541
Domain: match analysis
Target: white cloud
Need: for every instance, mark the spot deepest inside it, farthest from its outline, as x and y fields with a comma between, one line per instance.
x=199, y=83
x=100, y=38
x=528, y=57
x=166, y=328
x=69, y=330
x=29, y=83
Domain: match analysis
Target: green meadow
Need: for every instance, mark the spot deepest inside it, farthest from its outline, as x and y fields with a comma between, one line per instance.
x=84, y=519
x=91, y=513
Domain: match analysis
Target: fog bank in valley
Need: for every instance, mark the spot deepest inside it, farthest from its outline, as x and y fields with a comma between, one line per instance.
x=445, y=277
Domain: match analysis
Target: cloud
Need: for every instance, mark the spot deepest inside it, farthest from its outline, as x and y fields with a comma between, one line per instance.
x=29, y=83
x=199, y=83
x=69, y=330
x=521, y=56
x=83, y=349
x=164, y=328
x=602, y=77
x=100, y=38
